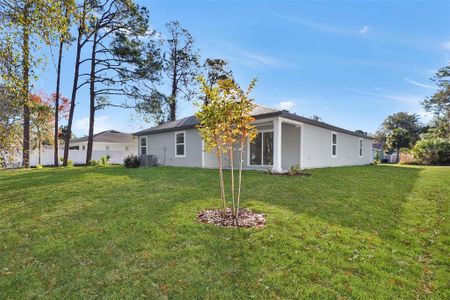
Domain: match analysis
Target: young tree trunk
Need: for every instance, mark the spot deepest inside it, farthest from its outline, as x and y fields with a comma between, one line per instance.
x=91, y=102
x=74, y=92
x=25, y=87
x=231, y=156
x=222, y=186
x=58, y=83
x=398, y=155
x=240, y=178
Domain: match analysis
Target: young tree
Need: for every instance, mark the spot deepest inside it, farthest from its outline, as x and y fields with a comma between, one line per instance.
x=25, y=24
x=224, y=121
x=401, y=131
x=245, y=131
x=213, y=127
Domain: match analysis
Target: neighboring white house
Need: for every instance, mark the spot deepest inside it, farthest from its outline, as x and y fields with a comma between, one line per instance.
x=109, y=140
x=284, y=139
x=117, y=145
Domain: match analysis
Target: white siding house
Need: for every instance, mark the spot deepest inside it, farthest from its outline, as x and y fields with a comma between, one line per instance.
x=284, y=139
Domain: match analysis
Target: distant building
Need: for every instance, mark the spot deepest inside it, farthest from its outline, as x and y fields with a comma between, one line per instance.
x=110, y=140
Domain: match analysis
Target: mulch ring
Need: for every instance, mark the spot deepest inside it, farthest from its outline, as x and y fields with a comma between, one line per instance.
x=246, y=218
x=289, y=174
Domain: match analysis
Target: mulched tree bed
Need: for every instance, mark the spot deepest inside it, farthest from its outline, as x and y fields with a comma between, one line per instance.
x=247, y=218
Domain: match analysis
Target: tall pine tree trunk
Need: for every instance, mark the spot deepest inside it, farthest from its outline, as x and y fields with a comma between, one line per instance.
x=74, y=90
x=25, y=88
x=91, y=102
x=58, y=83
x=173, y=98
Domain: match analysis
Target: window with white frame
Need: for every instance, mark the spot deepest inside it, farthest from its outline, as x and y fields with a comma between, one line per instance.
x=360, y=147
x=261, y=149
x=126, y=148
x=333, y=144
x=107, y=148
x=180, y=144
x=144, y=145
x=83, y=147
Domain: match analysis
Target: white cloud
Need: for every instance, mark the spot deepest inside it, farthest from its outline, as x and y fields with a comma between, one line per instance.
x=324, y=27
x=254, y=59
x=423, y=85
x=81, y=126
x=411, y=99
x=364, y=30
x=287, y=105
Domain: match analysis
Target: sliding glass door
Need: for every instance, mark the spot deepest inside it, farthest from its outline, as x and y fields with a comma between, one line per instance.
x=261, y=150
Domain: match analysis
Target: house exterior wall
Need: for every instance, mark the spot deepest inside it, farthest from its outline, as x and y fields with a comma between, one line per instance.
x=162, y=145
x=317, y=149
x=100, y=146
x=290, y=146
x=290, y=150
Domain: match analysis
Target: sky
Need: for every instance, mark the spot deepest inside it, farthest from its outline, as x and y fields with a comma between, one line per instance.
x=350, y=62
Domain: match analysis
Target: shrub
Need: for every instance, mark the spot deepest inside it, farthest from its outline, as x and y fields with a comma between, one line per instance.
x=376, y=160
x=294, y=170
x=93, y=163
x=104, y=161
x=39, y=167
x=131, y=161
x=433, y=151
x=69, y=162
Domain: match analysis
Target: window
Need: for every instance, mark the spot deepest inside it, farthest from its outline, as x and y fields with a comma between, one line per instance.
x=83, y=147
x=180, y=144
x=126, y=148
x=144, y=145
x=261, y=149
x=74, y=148
x=360, y=147
x=107, y=148
x=333, y=144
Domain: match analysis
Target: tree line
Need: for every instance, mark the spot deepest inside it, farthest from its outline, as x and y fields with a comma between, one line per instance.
x=119, y=59
x=429, y=143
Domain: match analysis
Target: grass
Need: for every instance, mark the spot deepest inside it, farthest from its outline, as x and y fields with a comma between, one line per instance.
x=351, y=232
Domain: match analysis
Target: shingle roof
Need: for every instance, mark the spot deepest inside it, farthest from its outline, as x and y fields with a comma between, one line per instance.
x=190, y=122
x=108, y=136
x=259, y=112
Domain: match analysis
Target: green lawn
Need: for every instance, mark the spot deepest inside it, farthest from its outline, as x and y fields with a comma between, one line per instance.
x=351, y=232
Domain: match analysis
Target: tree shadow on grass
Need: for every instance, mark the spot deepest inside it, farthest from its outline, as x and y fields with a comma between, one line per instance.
x=366, y=198
x=134, y=232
